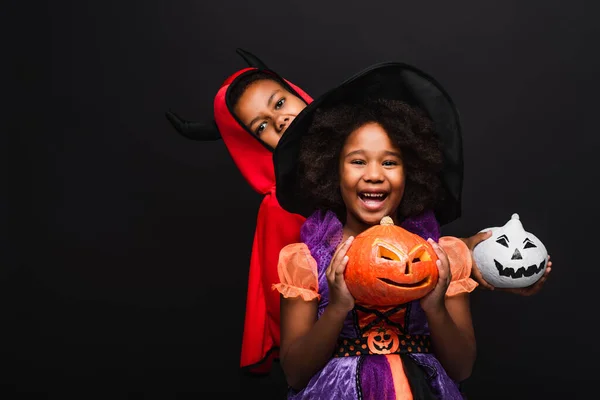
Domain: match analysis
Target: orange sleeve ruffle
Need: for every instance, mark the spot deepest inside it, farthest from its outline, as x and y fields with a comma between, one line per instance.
x=298, y=276
x=461, y=263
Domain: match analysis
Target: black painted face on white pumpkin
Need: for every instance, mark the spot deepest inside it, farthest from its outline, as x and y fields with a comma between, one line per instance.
x=512, y=257
x=518, y=271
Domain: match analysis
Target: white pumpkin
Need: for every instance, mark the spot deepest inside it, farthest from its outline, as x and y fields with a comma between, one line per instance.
x=511, y=257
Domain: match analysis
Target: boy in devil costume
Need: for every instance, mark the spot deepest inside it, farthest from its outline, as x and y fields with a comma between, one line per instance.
x=275, y=227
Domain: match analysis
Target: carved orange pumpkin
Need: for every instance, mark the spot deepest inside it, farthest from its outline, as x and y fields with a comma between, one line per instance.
x=388, y=265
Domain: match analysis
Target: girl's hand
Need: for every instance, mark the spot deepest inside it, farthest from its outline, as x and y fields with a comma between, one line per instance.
x=471, y=242
x=339, y=295
x=533, y=289
x=435, y=300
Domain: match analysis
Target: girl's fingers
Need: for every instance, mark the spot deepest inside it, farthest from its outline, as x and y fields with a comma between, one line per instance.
x=341, y=251
x=442, y=271
x=341, y=266
x=436, y=248
x=331, y=268
x=442, y=256
x=338, y=258
x=337, y=250
x=474, y=240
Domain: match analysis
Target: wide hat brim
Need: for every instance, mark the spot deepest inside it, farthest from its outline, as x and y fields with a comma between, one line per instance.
x=392, y=81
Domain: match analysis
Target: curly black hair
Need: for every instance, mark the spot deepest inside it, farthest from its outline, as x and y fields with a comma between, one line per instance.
x=240, y=85
x=408, y=128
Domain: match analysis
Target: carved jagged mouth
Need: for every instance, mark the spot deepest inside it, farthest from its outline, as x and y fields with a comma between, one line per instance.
x=520, y=272
x=405, y=285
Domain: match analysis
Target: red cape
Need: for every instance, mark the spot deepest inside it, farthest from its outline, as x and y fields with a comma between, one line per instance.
x=275, y=228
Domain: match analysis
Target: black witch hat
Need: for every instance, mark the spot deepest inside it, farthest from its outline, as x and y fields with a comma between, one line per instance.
x=394, y=81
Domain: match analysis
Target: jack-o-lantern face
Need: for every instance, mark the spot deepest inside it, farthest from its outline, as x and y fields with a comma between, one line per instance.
x=383, y=341
x=511, y=257
x=388, y=265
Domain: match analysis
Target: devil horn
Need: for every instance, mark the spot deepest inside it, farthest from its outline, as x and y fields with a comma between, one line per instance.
x=251, y=59
x=194, y=130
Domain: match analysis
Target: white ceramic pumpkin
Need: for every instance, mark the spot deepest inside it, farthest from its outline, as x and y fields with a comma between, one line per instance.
x=511, y=257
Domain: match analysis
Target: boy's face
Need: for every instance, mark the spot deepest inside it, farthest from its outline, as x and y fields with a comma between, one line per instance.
x=372, y=176
x=267, y=109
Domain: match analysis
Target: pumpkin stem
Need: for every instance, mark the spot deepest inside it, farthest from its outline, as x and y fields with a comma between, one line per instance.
x=386, y=221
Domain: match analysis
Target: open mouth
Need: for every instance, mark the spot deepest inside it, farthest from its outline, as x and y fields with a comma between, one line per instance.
x=520, y=272
x=372, y=200
x=375, y=196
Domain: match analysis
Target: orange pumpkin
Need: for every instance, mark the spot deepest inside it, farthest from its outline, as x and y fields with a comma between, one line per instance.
x=388, y=265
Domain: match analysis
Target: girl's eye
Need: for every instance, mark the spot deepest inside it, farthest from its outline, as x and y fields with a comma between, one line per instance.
x=280, y=103
x=261, y=128
x=389, y=163
x=357, y=162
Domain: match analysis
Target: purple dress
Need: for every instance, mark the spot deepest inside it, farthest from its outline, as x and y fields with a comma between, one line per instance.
x=367, y=376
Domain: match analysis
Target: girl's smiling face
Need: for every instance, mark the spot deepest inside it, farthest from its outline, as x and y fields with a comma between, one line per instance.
x=372, y=177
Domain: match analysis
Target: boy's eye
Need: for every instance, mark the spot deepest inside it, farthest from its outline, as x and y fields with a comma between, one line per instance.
x=358, y=162
x=389, y=163
x=261, y=128
x=279, y=104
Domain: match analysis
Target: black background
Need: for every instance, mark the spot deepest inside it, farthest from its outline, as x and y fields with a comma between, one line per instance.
x=128, y=246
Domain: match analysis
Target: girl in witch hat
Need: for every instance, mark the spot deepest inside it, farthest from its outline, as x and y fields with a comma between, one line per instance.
x=385, y=143
x=252, y=108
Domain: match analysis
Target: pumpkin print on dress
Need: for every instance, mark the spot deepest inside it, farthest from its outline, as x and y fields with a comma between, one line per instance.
x=383, y=340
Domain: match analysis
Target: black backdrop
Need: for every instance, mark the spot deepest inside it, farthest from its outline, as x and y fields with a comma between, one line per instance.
x=117, y=281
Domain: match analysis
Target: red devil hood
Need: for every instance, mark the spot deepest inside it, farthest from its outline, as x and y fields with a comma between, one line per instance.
x=275, y=227
x=252, y=156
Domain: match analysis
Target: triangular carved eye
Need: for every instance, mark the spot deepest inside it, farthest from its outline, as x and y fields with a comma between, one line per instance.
x=528, y=244
x=387, y=254
x=420, y=254
x=390, y=256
